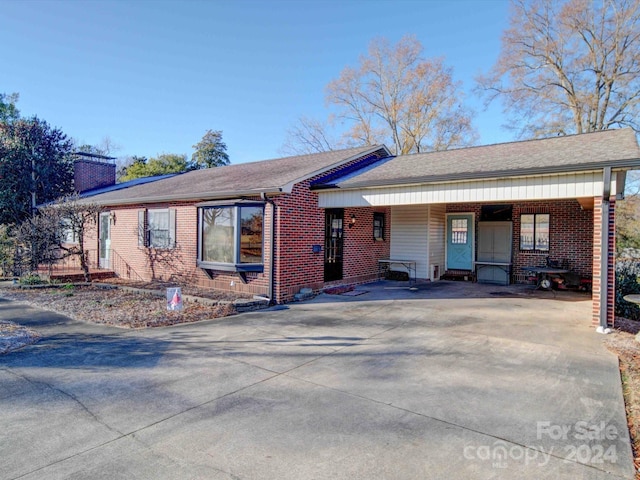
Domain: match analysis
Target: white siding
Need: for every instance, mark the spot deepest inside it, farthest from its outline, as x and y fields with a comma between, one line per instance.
x=409, y=237
x=437, y=227
x=541, y=187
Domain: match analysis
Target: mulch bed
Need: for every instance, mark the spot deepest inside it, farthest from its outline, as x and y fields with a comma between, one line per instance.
x=120, y=308
x=187, y=289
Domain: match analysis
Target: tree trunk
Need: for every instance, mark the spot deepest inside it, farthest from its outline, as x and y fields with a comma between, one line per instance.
x=83, y=259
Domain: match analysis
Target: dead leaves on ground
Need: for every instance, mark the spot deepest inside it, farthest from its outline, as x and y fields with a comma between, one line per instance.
x=115, y=307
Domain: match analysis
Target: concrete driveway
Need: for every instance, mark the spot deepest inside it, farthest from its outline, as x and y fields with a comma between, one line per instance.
x=452, y=381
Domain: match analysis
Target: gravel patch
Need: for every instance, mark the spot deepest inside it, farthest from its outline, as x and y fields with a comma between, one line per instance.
x=14, y=336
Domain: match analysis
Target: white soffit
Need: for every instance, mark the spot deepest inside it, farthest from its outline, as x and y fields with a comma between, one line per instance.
x=538, y=187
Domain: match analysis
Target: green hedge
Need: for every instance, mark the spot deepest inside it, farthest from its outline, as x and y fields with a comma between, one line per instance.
x=627, y=282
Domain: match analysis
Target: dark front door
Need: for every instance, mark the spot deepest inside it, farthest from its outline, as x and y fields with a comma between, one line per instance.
x=333, y=244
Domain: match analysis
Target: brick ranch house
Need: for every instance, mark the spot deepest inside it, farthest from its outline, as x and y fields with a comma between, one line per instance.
x=252, y=228
x=273, y=227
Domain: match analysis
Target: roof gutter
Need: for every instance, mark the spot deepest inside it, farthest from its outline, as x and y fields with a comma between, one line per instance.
x=272, y=247
x=185, y=198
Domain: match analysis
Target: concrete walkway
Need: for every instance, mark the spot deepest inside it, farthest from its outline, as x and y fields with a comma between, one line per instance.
x=451, y=381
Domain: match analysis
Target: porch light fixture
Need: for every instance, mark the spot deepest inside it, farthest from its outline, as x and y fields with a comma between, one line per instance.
x=353, y=221
x=112, y=218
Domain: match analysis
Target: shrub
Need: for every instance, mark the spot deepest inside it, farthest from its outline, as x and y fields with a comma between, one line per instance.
x=627, y=282
x=31, y=280
x=6, y=252
x=68, y=289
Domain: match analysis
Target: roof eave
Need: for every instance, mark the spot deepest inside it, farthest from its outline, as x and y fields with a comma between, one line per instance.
x=271, y=190
x=288, y=187
x=188, y=198
x=616, y=165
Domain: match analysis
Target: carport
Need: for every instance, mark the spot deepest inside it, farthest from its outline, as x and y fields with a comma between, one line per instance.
x=491, y=211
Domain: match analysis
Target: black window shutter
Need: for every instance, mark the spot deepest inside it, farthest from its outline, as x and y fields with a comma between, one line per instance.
x=141, y=228
x=172, y=228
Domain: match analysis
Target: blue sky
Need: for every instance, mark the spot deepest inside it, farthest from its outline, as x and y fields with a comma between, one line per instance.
x=155, y=75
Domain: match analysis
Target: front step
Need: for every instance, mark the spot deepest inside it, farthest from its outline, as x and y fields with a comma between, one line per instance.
x=304, y=294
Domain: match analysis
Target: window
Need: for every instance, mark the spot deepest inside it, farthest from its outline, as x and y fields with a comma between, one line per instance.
x=251, y=234
x=231, y=237
x=378, y=227
x=218, y=233
x=69, y=235
x=534, y=231
x=157, y=228
x=459, y=230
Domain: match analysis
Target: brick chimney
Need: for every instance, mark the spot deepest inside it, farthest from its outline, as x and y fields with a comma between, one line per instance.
x=92, y=171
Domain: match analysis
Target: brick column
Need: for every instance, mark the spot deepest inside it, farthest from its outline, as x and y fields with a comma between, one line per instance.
x=597, y=257
x=611, y=270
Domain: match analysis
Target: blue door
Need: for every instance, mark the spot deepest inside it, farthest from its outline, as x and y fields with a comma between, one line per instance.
x=460, y=241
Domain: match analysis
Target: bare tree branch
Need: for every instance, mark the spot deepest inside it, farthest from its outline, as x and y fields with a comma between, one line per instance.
x=570, y=66
x=46, y=234
x=393, y=96
x=308, y=136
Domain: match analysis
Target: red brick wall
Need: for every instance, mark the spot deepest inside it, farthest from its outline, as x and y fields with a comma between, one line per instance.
x=299, y=226
x=173, y=264
x=88, y=174
x=361, y=251
x=571, y=234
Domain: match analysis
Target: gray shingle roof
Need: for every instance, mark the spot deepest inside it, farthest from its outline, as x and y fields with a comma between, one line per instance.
x=616, y=148
x=127, y=184
x=270, y=176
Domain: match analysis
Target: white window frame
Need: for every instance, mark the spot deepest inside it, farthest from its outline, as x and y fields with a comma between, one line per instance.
x=145, y=232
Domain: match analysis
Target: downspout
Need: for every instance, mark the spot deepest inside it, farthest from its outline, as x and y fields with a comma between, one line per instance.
x=272, y=246
x=604, y=252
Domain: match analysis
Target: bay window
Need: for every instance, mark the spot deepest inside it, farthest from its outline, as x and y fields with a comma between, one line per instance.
x=231, y=237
